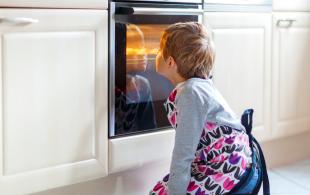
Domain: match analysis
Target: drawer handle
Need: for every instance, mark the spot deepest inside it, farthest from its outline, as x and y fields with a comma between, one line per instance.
x=18, y=21
x=285, y=23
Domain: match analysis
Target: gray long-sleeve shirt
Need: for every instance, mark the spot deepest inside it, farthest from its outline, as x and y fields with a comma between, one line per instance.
x=197, y=101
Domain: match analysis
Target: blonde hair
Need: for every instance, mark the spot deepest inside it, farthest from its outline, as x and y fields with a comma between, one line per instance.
x=191, y=47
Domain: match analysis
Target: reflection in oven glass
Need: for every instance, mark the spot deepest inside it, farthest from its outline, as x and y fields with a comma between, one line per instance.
x=139, y=91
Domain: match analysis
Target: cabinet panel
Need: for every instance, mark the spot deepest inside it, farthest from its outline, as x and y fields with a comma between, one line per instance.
x=294, y=69
x=48, y=99
x=97, y=4
x=54, y=128
x=291, y=83
x=236, y=63
x=242, y=64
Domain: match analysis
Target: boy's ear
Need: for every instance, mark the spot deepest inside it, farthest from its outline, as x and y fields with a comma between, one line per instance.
x=171, y=61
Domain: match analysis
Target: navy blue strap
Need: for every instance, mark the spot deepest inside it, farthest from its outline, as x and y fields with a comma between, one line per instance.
x=247, y=122
x=266, y=186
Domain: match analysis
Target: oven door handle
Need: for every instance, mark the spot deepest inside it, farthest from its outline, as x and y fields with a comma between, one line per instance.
x=124, y=11
x=156, y=11
x=160, y=11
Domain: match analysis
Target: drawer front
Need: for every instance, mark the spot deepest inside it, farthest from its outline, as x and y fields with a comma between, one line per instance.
x=92, y=4
x=288, y=5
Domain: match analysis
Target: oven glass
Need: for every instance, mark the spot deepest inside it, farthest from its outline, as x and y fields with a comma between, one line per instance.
x=139, y=91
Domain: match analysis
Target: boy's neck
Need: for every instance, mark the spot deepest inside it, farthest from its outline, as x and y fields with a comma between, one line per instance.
x=176, y=79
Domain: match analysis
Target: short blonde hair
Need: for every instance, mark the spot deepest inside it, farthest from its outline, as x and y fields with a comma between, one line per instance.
x=191, y=47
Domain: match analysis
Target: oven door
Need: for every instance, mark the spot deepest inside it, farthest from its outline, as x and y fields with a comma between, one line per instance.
x=137, y=92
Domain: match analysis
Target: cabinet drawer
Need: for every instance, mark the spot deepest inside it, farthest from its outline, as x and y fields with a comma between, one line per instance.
x=92, y=4
x=289, y=5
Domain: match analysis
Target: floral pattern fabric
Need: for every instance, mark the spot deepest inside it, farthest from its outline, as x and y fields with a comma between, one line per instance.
x=222, y=156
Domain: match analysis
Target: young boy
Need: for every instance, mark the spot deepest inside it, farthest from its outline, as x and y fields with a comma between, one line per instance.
x=211, y=151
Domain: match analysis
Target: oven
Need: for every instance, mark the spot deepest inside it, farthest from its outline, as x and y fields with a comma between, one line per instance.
x=136, y=92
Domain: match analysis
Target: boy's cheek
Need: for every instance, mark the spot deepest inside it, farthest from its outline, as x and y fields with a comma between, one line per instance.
x=157, y=64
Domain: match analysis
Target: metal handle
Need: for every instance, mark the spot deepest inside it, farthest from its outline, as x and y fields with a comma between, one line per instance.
x=158, y=11
x=285, y=23
x=18, y=21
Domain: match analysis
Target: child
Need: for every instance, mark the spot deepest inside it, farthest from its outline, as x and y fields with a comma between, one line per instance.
x=211, y=151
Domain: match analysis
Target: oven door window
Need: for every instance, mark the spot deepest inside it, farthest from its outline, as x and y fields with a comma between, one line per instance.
x=139, y=91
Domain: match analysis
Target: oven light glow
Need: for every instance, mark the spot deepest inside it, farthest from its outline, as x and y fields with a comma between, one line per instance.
x=141, y=51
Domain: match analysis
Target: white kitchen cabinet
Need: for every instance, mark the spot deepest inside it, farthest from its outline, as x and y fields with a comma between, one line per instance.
x=54, y=84
x=291, y=68
x=289, y=5
x=243, y=64
x=91, y=4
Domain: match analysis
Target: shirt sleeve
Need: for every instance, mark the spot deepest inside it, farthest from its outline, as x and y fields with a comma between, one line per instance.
x=191, y=116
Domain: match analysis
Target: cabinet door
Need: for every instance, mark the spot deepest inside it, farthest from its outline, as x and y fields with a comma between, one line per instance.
x=53, y=98
x=96, y=4
x=242, y=63
x=291, y=68
x=289, y=5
